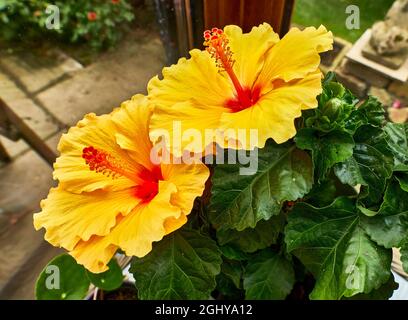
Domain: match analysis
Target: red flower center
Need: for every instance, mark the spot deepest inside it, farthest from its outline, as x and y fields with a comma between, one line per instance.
x=217, y=45
x=148, y=189
x=102, y=162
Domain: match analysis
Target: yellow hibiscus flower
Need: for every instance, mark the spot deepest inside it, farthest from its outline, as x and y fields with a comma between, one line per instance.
x=240, y=82
x=111, y=194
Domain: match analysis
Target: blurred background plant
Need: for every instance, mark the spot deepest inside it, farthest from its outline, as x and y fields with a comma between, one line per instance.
x=98, y=23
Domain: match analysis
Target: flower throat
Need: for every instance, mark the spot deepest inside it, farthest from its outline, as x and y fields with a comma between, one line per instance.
x=217, y=45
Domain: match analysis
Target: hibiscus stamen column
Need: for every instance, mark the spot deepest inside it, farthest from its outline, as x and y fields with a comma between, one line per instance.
x=217, y=45
x=147, y=181
x=102, y=162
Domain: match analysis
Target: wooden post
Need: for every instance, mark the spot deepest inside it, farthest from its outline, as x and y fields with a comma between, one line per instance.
x=182, y=22
x=249, y=13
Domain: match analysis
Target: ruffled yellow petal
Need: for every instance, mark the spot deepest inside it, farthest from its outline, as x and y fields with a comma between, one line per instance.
x=196, y=80
x=70, y=168
x=189, y=181
x=186, y=126
x=94, y=254
x=295, y=56
x=172, y=224
x=249, y=50
x=132, y=125
x=192, y=93
x=134, y=233
x=69, y=217
x=145, y=225
x=274, y=114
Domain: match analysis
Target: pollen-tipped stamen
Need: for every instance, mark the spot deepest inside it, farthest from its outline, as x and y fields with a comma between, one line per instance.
x=217, y=45
x=102, y=162
x=146, y=181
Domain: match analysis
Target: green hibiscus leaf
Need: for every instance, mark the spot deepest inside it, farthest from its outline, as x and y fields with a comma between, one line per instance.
x=402, y=178
x=323, y=193
x=371, y=112
x=62, y=279
x=108, y=280
x=268, y=276
x=240, y=201
x=397, y=138
x=250, y=240
x=327, y=148
x=336, y=104
x=384, y=292
x=229, y=280
x=329, y=77
x=332, y=243
x=233, y=253
x=232, y=270
x=181, y=266
x=389, y=227
x=370, y=165
x=337, y=110
x=227, y=288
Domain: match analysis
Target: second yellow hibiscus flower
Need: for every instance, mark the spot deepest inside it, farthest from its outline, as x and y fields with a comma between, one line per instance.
x=247, y=82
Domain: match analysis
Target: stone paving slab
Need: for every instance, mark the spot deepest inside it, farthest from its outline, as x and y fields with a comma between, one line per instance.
x=24, y=182
x=36, y=118
x=14, y=148
x=10, y=92
x=22, y=287
x=35, y=73
x=8, y=89
x=115, y=77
